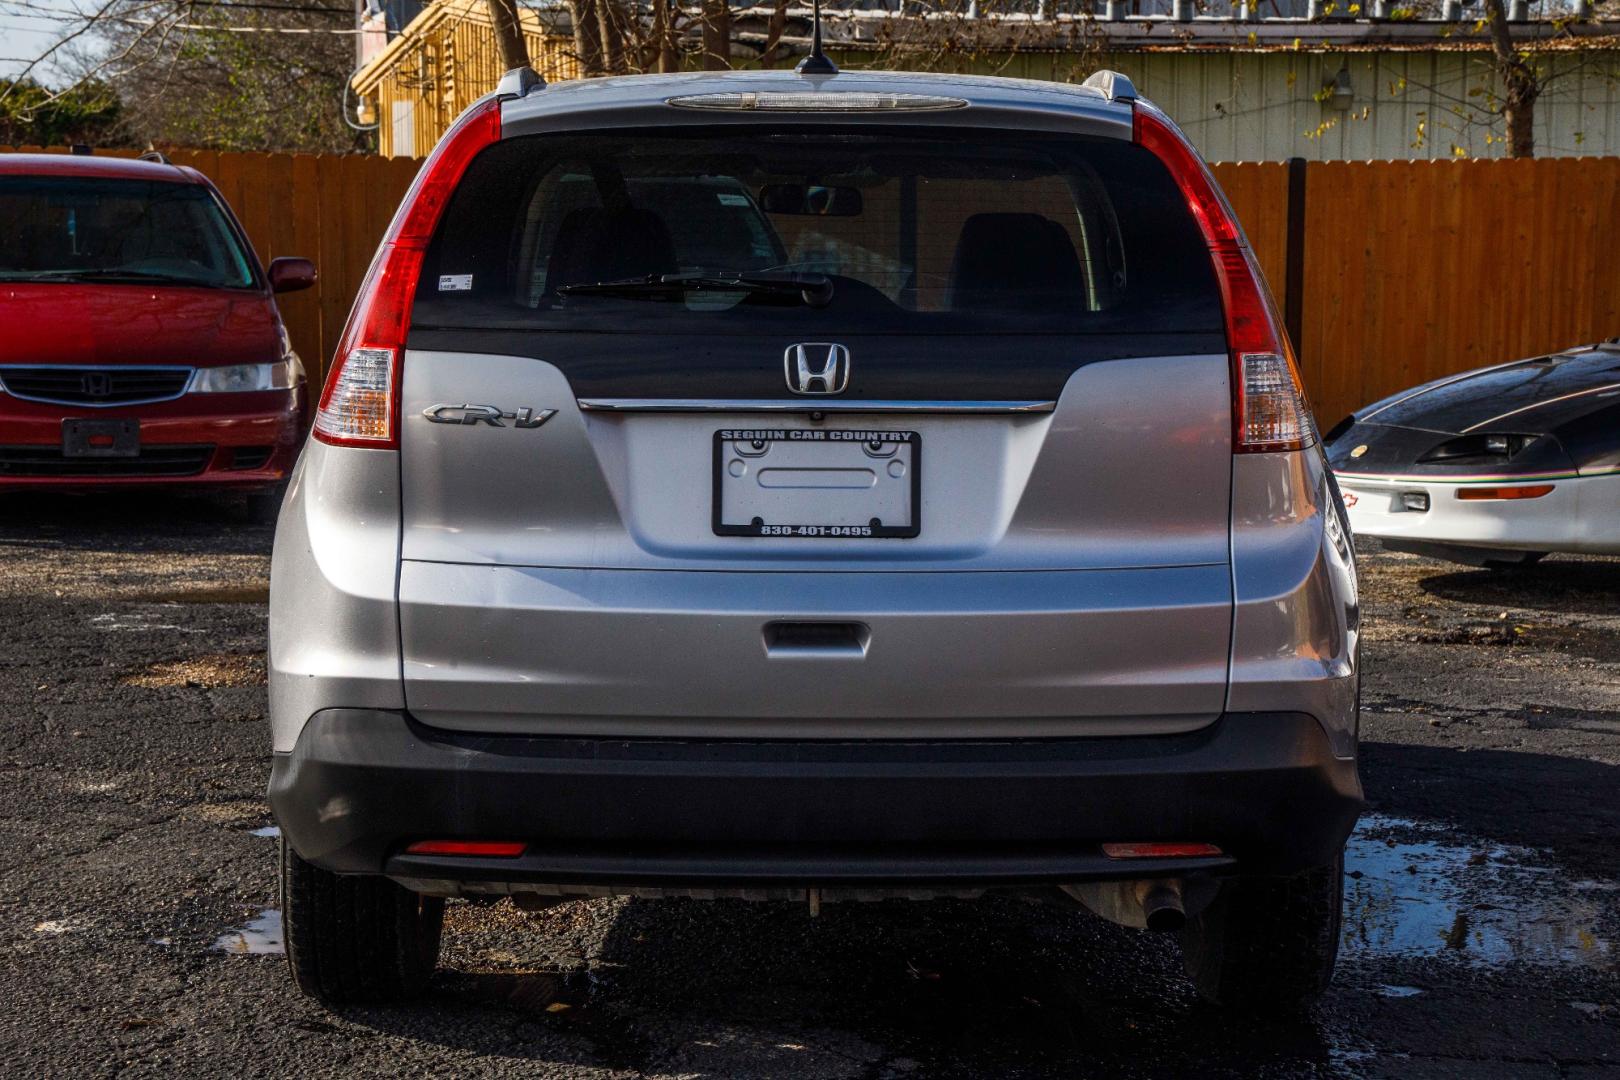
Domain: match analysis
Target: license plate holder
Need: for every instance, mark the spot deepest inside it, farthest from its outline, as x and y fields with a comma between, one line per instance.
x=817, y=483
x=101, y=438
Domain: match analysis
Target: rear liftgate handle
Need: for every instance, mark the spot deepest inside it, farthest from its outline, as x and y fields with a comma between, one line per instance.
x=816, y=640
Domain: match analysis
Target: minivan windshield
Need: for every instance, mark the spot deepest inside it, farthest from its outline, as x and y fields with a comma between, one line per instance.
x=900, y=231
x=77, y=229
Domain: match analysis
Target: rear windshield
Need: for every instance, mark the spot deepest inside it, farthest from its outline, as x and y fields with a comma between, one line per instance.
x=63, y=228
x=705, y=231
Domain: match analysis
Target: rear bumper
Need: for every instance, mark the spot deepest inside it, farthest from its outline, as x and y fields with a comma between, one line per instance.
x=361, y=784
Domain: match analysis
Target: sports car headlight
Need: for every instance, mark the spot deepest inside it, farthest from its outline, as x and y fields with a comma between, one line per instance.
x=1476, y=449
x=238, y=378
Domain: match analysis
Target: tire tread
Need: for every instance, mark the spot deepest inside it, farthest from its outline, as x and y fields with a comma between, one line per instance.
x=356, y=938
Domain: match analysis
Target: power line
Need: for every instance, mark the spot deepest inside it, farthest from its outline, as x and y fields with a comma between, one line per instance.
x=310, y=8
x=239, y=29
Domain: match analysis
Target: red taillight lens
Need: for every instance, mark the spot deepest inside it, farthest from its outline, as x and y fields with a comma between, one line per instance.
x=1161, y=851
x=1269, y=410
x=360, y=402
x=488, y=849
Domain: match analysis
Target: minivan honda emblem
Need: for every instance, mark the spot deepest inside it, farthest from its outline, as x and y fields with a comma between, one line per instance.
x=829, y=375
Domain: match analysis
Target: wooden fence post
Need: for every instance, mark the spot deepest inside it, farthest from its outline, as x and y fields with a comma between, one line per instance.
x=1294, y=257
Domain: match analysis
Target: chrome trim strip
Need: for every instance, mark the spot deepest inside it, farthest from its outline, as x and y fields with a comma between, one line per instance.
x=185, y=387
x=807, y=405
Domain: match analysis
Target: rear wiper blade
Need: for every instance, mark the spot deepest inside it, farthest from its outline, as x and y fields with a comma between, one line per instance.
x=816, y=289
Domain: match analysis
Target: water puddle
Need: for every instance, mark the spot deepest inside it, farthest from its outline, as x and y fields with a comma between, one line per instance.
x=1397, y=991
x=1416, y=889
x=138, y=622
x=260, y=937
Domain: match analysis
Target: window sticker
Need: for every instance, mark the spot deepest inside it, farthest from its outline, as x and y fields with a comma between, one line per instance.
x=730, y=199
x=455, y=282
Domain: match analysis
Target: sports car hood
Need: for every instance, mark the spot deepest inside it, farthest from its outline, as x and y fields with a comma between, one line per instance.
x=1529, y=396
x=131, y=324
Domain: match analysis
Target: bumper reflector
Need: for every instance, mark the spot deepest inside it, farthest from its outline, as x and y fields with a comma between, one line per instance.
x=488, y=849
x=1525, y=491
x=1160, y=851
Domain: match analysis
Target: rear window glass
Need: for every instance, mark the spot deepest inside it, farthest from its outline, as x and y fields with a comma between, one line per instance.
x=701, y=231
x=65, y=228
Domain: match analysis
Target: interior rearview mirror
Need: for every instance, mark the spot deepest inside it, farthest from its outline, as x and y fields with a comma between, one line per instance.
x=812, y=199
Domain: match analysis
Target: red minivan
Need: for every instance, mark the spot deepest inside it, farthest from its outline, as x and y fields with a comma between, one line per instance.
x=141, y=342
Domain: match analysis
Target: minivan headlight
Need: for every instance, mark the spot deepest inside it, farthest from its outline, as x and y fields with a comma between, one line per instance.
x=237, y=378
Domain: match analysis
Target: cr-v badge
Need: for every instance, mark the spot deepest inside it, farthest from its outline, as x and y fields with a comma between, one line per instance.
x=829, y=376
x=487, y=414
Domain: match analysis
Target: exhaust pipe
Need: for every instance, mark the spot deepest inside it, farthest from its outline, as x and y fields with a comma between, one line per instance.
x=1161, y=905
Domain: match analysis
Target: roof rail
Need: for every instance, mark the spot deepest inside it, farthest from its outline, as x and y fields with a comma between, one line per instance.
x=1114, y=86
x=149, y=154
x=519, y=82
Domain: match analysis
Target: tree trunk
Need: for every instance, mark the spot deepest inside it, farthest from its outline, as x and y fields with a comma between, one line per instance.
x=587, y=37
x=1521, y=128
x=509, y=34
x=716, y=35
x=664, y=35
x=773, y=33
x=1520, y=86
x=612, y=21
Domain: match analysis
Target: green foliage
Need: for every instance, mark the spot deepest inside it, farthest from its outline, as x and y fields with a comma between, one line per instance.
x=31, y=115
x=214, y=89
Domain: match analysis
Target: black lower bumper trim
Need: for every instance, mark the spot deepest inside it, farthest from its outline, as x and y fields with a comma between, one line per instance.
x=361, y=784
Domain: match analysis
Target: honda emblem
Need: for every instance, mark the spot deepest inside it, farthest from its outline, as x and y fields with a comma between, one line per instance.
x=816, y=367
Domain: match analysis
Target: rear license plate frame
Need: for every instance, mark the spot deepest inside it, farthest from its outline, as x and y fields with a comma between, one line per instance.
x=809, y=530
x=77, y=436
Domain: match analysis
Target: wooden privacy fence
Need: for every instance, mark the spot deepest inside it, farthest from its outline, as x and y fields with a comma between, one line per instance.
x=1391, y=272
x=1405, y=271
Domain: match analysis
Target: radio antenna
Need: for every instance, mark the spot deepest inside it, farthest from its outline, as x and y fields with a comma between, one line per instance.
x=816, y=63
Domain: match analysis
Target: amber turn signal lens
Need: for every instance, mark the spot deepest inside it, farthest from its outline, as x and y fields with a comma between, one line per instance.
x=1528, y=491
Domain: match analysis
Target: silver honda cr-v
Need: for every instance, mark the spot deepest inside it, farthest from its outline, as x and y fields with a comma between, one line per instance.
x=810, y=487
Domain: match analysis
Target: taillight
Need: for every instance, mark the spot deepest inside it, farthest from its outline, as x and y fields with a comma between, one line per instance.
x=1269, y=410
x=360, y=402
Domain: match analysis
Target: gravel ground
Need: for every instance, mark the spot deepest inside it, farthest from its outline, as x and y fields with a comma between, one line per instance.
x=137, y=871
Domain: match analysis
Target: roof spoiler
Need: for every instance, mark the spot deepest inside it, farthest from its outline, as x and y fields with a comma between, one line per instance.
x=1114, y=86
x=519, y=82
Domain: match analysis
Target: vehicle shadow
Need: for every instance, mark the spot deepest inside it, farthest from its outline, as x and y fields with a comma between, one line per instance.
x=134, y=521
x=999, y=986
x=1564, y=805
x=1563, y=586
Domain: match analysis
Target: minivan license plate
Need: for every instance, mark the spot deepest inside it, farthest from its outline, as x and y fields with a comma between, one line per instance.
x=101, y=438
x=824, y=483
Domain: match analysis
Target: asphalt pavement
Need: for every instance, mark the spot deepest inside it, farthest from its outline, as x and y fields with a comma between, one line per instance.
x=139, y=935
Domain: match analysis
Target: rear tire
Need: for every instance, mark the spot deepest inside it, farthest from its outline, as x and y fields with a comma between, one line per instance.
x=1267, y=945
x=356, y=938
x=263, y=506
